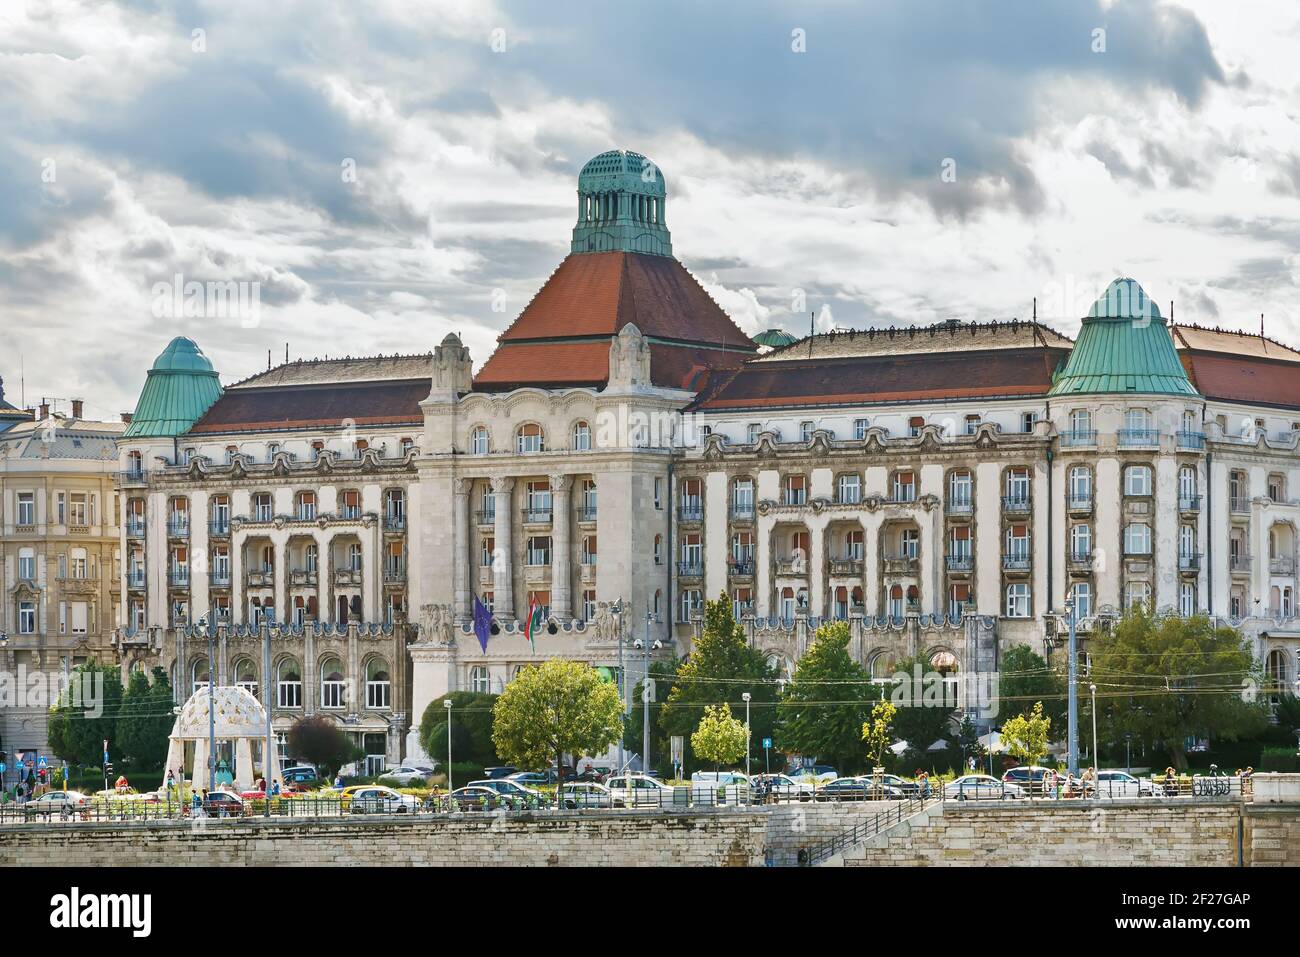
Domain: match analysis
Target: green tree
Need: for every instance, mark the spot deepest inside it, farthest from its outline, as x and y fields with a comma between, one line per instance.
x=555, y=708
x=721, y=667
x=145, y=720
x=471, y=729
x=720, y=738
x=319, y=741
x=925, y=707
x=828, y=699
x=1025, y=737
x=87, y=715
x=662, y=673
x=1168, y=679
x=878, y=732
x=1025, y=677
x=968, y=740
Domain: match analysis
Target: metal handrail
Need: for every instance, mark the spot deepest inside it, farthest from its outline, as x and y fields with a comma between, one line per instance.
x=860, y=832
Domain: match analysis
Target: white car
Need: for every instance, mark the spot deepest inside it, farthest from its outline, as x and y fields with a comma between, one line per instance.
x=1121, y=784
x=64, y=804
x=726, y=787
x=982, y=787
x=407, y=773
x=585, y=794
x=381, y=800
x=639, y=790
x=781, y=787
x=817, y=775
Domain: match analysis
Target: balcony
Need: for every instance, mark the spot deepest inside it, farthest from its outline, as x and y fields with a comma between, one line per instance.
x=792, y=566
x=303, y=576
x=1138, y=438
x=959, y=564
x=586, y=513
x=690, y=569
x=219, y=528
x=1078, y=438
x=959, y=506
x=1190, y=441
x=1239, y=564
x=178, y=528
x=1079, y=561
x=135, y=528
x=135, y=578
x=537, y=573
x=905, y=495
x=1239, y=505
x=901, y=564
x=587, y=572
x=394, y=523
x=219, y=578
x=741, y=568
x=486, y=516
x=347, y=576
x=742, y=513
x=486, y=576
x=349, y=513
x=1189, y=504
x=261, y=578
x=847, y=566
x=539, y=515
x=692, y=510
x=133, y=477
x=1016, y=563
x=1189, y=563
x=179, y=578
x=394, y=573
x=1080, y=504
x=261, y=516
x=1281, y=566
x=1015, y=504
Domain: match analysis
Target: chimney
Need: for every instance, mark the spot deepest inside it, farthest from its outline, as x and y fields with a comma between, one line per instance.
x=127, y=417
x=76, y=408
x=45, y=411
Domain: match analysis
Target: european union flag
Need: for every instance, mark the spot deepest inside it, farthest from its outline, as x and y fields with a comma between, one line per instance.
x=482, y=623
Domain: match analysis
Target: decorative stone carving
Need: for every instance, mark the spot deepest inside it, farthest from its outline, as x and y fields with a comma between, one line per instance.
x=436, y=624
x=451, y=368
x=629, y=358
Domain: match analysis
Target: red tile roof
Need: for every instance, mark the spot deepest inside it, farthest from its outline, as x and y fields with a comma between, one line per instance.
x=563, y=364
x=1243, y=378
x=597, y=294
x=327, y=406
x=954, y=375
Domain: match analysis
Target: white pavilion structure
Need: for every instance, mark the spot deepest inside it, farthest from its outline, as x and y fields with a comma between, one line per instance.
x=240, y=718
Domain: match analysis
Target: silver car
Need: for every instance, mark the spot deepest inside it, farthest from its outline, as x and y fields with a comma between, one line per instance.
x=585, y=794
x=982, y=787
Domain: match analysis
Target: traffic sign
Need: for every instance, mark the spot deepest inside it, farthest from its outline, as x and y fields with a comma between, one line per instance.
x=42, y=763
x=767, y=743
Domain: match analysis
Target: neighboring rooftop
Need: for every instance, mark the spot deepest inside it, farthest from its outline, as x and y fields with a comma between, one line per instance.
x=59, y=437
x=909, y=340
x=1239, y=366
x=346, y=369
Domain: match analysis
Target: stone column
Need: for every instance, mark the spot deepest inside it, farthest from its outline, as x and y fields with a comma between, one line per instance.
x=460, y=544
x=561, y=605
x=503, y=597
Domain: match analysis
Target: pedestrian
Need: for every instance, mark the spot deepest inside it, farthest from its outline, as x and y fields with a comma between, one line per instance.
x=971, y=763
x=1171, y=782
x=338, y=780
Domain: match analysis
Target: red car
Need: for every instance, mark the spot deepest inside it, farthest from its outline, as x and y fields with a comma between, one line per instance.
x=221, y=804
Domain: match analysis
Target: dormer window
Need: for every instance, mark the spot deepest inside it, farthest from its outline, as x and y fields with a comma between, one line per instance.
x=530, y=438
x=581, y=437
x=480, y=441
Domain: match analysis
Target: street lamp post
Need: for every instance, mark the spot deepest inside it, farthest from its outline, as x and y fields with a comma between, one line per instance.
x=1096, y=755
x=1072, y=758
x=206, y=625
x=1128, y=752
x=616, y=609
x=447, y=704
x=645, y=648
x=745, y=697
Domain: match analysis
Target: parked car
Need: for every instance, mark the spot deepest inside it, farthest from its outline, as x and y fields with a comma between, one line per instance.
x=220, y=804
x=1030, y=777
x=580, y=794
x=910, y=789
x=640, y=790
x=299, y=774
x=781, y=787
x=594, y=775
x=475, y=799
x=982, y=787
x=1114, y=784
x=518, y=795
x=64, y=804
x=407, y=773
x=504, y=771
x=719, y=787
x=818, y=774
x=377, y=799
x=858, y=789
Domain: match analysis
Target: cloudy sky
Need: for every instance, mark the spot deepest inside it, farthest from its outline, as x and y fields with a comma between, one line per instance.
x=390, y=171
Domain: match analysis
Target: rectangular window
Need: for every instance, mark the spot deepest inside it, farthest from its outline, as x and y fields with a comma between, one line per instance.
x=26, y=618
x=860, y=427
x=751, y=432
x=26, y=508
x=848, y=489
x=539, y=550
x=806, y=431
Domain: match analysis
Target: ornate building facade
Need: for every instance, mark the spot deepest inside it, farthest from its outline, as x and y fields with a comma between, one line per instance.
x=627, y=452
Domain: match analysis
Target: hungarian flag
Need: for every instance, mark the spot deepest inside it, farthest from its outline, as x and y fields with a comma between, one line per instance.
x=534, y=623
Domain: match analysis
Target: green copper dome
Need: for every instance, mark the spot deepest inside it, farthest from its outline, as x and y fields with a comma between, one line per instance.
x=621, y=198
x=1123, y=347
x=180, y=387
x=775, y=338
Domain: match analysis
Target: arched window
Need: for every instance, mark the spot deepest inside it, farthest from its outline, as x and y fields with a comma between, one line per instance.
x=530, y=438
x=581, y=437
x=480, y=440
x=288, y=684
x=377, y=685
x=479, y=679
x=332, y=683
x=199, y=675
x=246, y=676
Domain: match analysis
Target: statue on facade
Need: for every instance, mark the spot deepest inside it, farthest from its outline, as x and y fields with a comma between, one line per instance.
x=629, y=358
x=436, y=624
